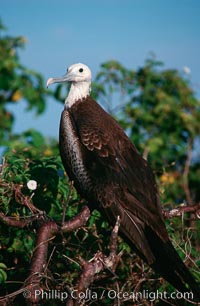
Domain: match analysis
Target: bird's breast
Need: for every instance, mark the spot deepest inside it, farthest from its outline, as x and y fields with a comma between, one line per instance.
x=72, y=154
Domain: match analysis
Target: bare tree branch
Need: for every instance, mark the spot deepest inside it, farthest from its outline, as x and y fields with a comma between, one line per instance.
x=45, y=234
x=48, y=229
x=97, y=264
x=25, y=200
x=182, y=209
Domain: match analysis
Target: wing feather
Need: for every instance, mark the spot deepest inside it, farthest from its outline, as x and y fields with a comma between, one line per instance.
x=115, y=159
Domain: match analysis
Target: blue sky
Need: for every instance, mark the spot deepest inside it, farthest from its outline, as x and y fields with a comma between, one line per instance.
x=60, y=33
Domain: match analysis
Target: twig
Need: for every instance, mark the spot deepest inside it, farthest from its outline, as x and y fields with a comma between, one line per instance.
x=23, y=221
x=182, y=209
x=25, y=200
x=186, y=172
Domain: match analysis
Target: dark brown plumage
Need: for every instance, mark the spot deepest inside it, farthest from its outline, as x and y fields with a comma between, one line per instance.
x=108, y=171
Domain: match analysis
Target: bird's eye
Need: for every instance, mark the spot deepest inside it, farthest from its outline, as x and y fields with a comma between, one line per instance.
x=81, y=70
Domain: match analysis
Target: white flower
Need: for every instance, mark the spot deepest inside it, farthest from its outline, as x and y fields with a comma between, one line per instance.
x=32, y=185
x=187, y=70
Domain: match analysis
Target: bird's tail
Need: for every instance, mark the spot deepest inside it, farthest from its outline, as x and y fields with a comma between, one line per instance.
x=171, y=267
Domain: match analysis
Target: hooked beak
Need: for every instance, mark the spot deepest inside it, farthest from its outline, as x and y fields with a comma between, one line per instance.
x=68, y=77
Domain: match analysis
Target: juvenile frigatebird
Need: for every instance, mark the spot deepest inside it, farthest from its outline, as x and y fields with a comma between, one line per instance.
x=108, y=170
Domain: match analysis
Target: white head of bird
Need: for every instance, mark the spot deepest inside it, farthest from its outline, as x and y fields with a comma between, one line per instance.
x=79, y=75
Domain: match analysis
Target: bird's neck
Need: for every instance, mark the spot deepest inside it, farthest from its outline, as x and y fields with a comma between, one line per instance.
x=78, y=91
